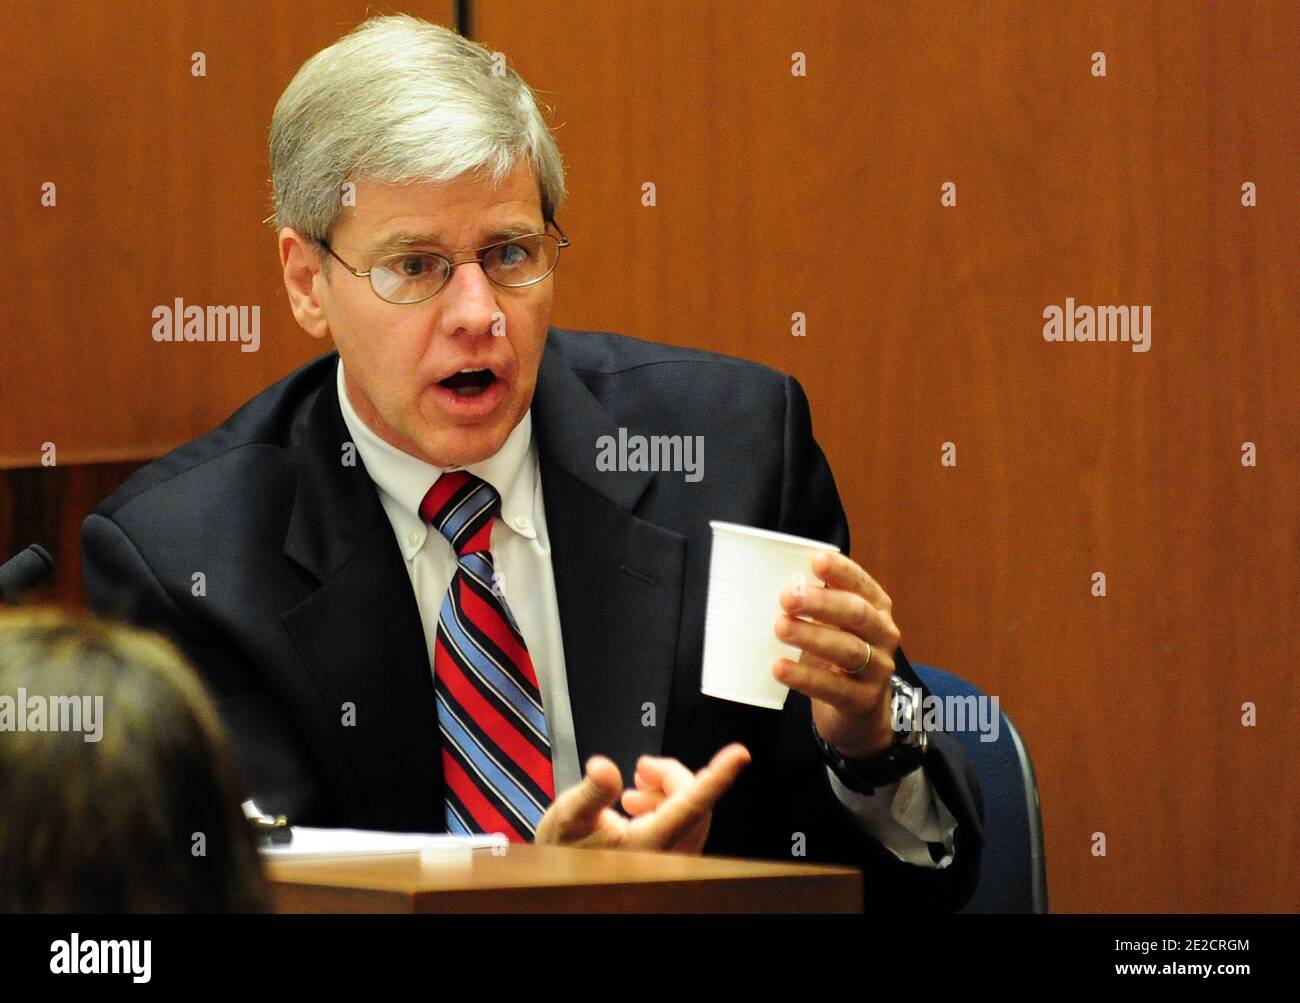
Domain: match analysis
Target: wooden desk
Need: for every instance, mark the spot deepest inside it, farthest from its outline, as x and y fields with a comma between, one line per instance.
x=554, y=879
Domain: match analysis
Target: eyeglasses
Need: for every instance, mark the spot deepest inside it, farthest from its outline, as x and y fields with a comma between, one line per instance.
x=414, y=276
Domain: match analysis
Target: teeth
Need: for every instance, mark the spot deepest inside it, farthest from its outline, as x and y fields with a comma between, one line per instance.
x=471, y=370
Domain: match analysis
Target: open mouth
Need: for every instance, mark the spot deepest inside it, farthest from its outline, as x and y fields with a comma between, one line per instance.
x=469, y=382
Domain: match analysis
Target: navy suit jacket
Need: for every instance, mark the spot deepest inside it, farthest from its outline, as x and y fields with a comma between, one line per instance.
x=307, y=604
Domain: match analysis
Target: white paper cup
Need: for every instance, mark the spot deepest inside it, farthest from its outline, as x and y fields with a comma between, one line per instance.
x=748, y=569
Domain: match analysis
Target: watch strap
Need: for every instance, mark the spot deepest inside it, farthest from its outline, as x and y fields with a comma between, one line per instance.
x=902, y=757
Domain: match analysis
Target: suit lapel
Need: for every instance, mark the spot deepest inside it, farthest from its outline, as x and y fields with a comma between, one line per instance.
x=618, y=581
x=360, y=635
x=618, y=578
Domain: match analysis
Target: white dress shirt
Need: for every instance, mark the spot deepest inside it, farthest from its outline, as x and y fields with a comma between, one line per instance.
x=904, y=817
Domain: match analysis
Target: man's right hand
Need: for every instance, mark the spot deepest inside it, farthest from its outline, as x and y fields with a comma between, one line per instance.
x=671, y=807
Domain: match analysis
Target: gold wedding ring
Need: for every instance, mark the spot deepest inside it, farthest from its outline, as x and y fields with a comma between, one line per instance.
x=863, y=667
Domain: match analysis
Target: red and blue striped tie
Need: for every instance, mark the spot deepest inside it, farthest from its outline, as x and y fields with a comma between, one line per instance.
x=496, y=758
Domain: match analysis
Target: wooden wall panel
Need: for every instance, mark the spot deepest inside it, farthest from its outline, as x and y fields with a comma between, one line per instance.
x=821, y=195
x=47, y=505
x=162, y=187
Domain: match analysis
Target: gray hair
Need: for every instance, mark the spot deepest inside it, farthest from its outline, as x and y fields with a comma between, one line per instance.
x=397, y=100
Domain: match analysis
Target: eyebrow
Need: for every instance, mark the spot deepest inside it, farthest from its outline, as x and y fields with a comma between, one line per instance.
x=403, y=240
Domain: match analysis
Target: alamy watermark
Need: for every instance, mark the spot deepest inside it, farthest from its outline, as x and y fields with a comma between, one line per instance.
x=75, y=956
x=34, y=712
x=1103, y=323
x=681, y=453
x=979, y=714
x=179, y=322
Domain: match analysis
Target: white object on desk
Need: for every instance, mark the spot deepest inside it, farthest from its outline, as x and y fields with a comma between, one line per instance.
x=432, y=847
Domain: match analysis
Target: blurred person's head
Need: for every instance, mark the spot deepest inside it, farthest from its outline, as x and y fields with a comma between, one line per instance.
x=404, y=137
x=131, y=805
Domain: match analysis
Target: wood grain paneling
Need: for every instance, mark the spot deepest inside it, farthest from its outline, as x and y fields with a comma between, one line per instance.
x=47, y=505
x=821, y=195
x=162, y=186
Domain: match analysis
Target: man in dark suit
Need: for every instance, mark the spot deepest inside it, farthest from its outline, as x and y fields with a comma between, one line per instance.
x=420, y=601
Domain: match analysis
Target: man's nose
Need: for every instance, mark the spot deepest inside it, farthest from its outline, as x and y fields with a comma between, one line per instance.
x=469, y=298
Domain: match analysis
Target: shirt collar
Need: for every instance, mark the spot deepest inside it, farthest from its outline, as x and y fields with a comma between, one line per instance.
x=405, y=479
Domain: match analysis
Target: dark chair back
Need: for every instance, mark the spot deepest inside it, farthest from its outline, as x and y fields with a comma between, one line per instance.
x=1013, y=871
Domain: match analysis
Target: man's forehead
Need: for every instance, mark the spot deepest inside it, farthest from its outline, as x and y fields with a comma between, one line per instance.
x=397, y=217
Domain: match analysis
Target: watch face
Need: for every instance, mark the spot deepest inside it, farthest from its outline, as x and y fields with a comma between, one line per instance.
x=913, y=739
x=906, y=702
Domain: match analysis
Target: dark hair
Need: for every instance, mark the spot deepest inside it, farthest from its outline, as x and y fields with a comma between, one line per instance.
x=146, y=817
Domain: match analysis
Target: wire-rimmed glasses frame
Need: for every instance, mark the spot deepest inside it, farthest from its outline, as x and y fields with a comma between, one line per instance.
x=478, y=256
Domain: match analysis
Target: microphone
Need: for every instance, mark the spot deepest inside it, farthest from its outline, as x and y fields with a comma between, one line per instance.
x=24, y=572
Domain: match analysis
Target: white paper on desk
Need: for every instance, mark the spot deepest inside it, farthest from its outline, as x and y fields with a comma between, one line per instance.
x=308, y=842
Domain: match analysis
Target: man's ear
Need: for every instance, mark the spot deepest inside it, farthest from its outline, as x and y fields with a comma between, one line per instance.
x=301, y=271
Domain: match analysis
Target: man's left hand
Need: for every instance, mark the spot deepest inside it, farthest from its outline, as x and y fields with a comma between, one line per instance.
x=852, y=709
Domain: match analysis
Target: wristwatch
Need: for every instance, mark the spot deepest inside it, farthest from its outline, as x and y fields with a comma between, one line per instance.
x=902, y=757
